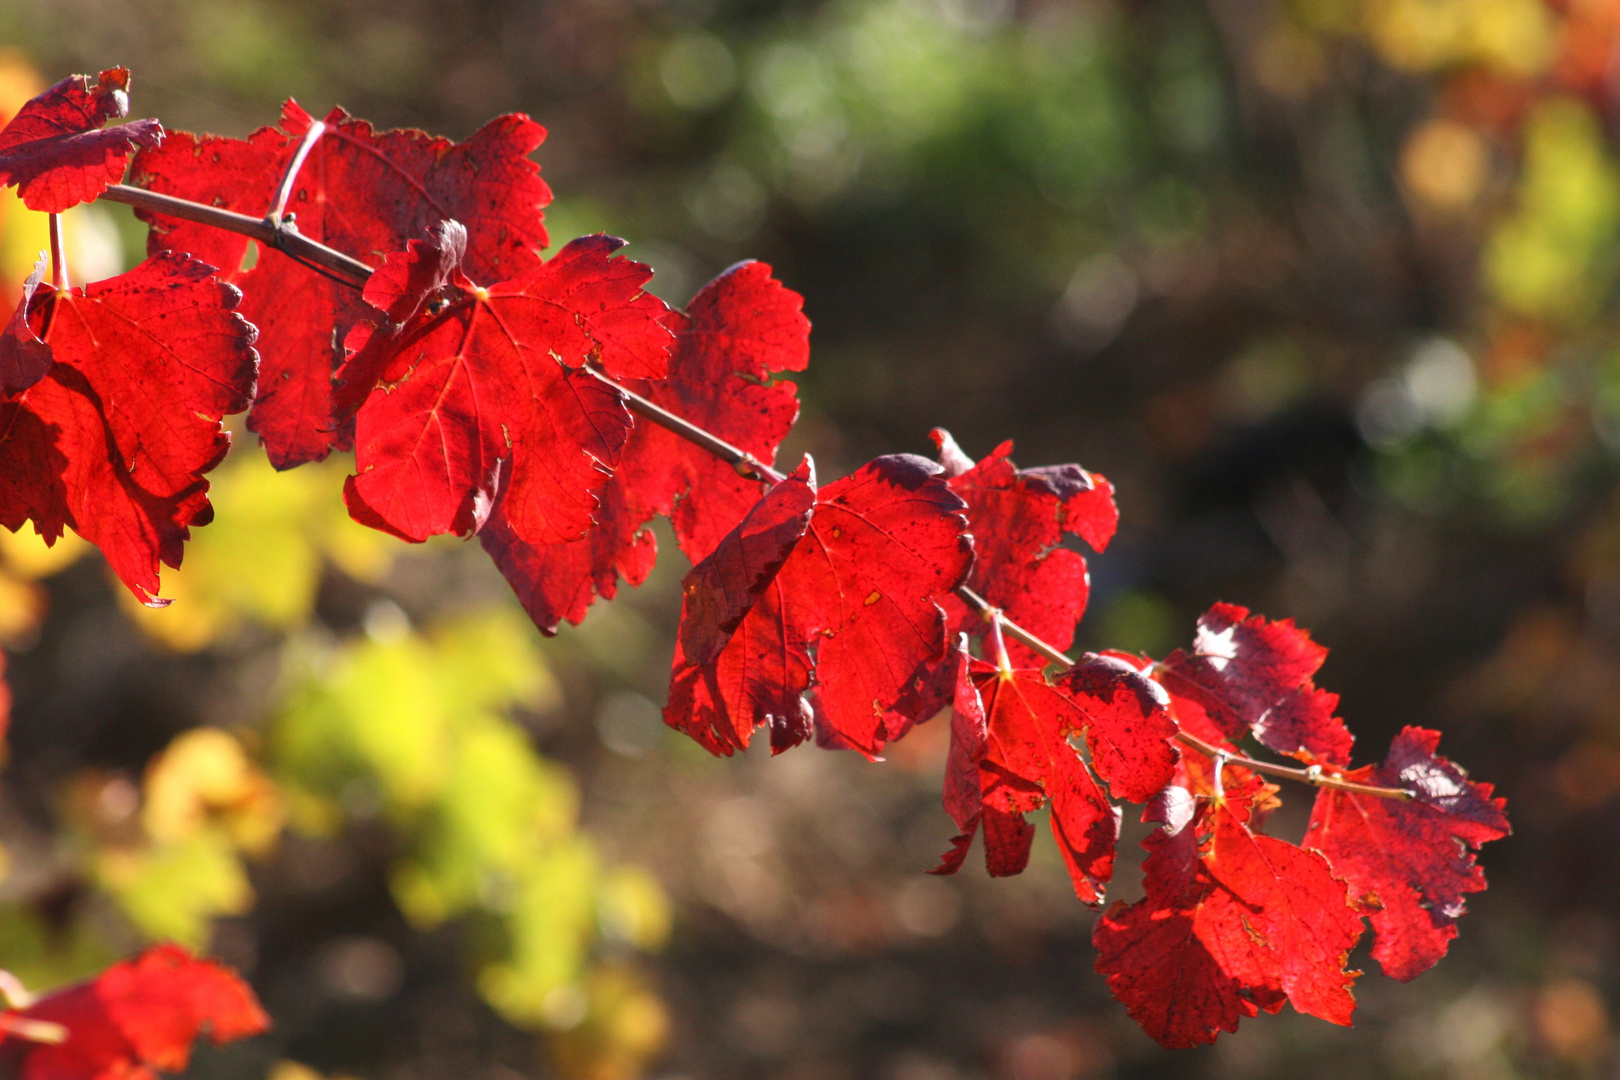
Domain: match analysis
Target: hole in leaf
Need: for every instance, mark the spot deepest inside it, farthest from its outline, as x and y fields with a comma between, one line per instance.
x=250, y=256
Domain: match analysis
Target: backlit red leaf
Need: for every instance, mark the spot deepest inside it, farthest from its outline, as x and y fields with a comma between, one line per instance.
x=364, y=192
x=487, y=392
x=1253, y=675
x=57, y=153
x=740, y=330
x=138, y=1016
x=1415, y=858
x=1018, y=518
x=1022, y=761
x=1127, y=725
x=854, y=602
x=1232, y=922
x=114, y=440
x=886, y=543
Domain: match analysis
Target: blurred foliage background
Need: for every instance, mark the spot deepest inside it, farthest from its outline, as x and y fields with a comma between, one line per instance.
x=1326, y=287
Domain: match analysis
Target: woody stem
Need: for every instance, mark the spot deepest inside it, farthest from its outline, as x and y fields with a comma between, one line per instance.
x=59, y=272
x=278, y=205
x=352, y=271
x=282, y=236
x=1313, y=776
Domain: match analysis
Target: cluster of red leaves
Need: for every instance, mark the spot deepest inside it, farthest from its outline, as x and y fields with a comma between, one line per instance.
x=483, y=390
x=138, y=1016
x=111, y=395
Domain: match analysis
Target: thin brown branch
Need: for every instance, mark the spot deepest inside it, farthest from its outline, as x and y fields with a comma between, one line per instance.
x=283, y=237
x=1313, y=776
x=741, y=460
x=286, y=238
x=278, y=205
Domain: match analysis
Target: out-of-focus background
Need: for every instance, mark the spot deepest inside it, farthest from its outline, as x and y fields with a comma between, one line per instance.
x=1327, y=289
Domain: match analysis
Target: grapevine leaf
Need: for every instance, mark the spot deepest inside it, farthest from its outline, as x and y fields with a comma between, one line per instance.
x=1252, y=675
x=721, y=590
x=364, y=192
x=1232, y=922
x=138, y=1016
x=1008, y=838
x=1127, y=725
x=1414, y=857
x=884, y=545
x=398, y=289
x=55, y=149
x=554, y=582
x=739, y=330
x=115, y=439
x=854, y=602
x=964, y=797
x=24, y=358
x=487, y=391
x=1024, y=761
x=1018, y=518
x=757, y=679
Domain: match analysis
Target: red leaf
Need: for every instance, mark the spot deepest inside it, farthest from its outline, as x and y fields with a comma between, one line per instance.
x=1233, y=922
x=721, y=590
x=885, y=544
x=363, y=192
x=1008, y=838
x=24, y=358
x=55, y=149
x=1028, y=760
x=1018, y=518
x=138, y=1016
x=487, y=392
x=1250, y=674
x=854, y=601
x=1414, y=857
x=115, y=439
x=739, y=332
x=398, y=289
x=554, y=582
x=1127, y=724
x=741, y=329
x=963, y=797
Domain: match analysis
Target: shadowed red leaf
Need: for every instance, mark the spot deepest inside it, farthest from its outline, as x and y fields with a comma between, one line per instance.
x=24, y=358
x=487, y=391
x=963, y=796
x=1252, y=675
x=55, y=149
x=1414, y=857
x=364, y=192
x=1232, y=922
x=138, y=1016
x=721, y=590
x=114, y=440
x=854, y=602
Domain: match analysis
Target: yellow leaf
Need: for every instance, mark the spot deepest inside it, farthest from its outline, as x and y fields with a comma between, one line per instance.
x=204, y=779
